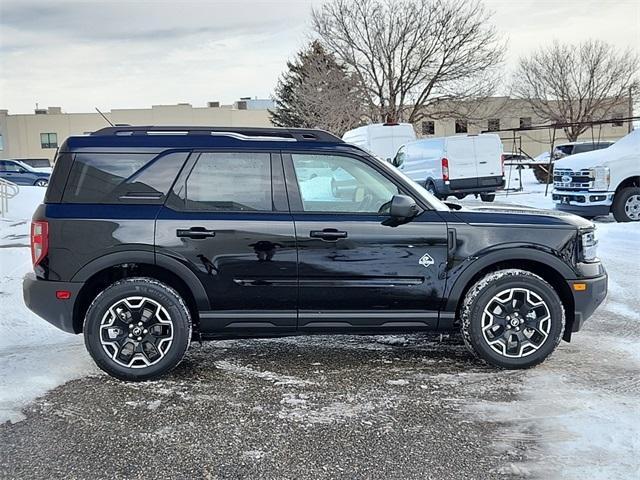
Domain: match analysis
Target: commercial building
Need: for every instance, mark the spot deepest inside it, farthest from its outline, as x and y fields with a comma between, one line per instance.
x=37, y=135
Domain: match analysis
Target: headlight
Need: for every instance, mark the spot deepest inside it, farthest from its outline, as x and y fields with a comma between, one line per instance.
x=600, y=177
x=589, y=246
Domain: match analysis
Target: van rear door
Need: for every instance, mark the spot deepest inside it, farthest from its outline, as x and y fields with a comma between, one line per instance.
x=459, y=151
x=488, y=152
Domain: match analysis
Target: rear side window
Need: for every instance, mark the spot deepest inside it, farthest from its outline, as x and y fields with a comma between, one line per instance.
x=228, y=181
x=122, y=177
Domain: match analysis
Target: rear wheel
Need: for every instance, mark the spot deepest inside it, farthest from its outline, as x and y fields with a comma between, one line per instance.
x=431, y=188
x=41, y=183
x=512, y=319
x=487, y=197
x=137, y=329
x=626, y=205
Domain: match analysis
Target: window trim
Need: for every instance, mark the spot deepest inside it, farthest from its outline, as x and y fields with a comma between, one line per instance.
x=279, y=202
x=48, y=144
x=295, y=198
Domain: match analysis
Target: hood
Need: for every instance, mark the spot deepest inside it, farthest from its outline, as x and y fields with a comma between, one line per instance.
x=625, y=146
x=509, y=214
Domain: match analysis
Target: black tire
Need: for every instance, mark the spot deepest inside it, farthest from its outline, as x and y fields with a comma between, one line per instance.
x=41, y=183
x=487, y=197
x=622, y=211
x=460, y=196
x=431, y=188
x=476, y=314
x=169, y=324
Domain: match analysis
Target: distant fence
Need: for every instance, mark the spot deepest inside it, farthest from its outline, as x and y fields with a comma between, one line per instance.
x=7, y=190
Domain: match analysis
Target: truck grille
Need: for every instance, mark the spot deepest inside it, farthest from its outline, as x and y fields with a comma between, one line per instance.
x=566, y=179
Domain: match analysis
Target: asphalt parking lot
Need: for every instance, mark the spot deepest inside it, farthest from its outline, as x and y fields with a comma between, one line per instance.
x=317, y=407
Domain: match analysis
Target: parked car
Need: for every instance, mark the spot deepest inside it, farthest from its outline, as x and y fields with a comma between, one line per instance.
x=22, y=174
x=38, y=164
x=147, y=239
x=601, y=182
x=571, y=148
x=457, y=165
x=381, y=139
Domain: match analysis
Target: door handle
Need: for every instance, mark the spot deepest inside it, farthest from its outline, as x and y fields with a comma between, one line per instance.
x=197, y=233
x=328, y=234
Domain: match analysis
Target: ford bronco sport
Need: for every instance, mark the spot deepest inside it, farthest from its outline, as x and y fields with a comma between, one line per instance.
x=150, y=237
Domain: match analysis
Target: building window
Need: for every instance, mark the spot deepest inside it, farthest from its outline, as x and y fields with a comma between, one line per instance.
x=428, y=127
x=49, y=140
x=493, y=124
x=617, y=122
x=461, y=126
x=525, y=122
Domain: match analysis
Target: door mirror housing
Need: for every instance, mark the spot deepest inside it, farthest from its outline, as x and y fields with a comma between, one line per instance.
x=403, y=207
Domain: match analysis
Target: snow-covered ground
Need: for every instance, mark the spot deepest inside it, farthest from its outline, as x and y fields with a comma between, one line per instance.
x=34, y=356
x=578, y=412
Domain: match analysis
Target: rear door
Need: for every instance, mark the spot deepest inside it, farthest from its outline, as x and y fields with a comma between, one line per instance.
x=462, y=161
x=488, y=152
x=227, y=219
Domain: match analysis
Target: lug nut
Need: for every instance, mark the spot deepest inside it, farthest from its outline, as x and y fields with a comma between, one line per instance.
x=130, y=325
x=139, y=324
x=139, y=338
x=145, y=331
x=131, y=335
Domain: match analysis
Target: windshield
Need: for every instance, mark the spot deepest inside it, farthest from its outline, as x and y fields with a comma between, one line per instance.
x=25, y=166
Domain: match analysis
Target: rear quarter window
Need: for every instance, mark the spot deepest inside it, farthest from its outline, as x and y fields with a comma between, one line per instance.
x=122, y=177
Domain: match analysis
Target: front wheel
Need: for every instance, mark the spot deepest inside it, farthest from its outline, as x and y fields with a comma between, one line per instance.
x=512, y=319
x=626, y=205
x=137, y=329
x=487, y=197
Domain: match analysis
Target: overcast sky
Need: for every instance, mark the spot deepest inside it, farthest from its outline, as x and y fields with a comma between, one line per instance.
x=133, y=54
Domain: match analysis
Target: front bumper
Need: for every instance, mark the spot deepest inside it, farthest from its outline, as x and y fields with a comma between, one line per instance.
x=583, y=203
x=40, y=297
x=586, y=301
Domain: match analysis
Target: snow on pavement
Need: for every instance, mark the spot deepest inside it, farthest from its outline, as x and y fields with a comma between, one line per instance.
x=34, y=356
x=577, y=415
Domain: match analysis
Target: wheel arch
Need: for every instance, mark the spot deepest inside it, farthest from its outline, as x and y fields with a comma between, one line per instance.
x=633, y=181
x=102, y=272
x=546, y=266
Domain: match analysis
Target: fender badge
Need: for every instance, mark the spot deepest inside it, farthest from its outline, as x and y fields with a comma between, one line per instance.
x=426, y=260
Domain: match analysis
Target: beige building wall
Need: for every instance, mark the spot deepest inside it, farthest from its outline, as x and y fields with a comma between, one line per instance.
x=509, y=111
x=21, y=133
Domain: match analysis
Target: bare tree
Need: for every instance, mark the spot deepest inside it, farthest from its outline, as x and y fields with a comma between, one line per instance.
x=317, y=92
x=576, y=84
x=413, y=55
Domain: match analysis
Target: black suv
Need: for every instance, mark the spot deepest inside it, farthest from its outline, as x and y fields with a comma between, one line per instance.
x=150, y=237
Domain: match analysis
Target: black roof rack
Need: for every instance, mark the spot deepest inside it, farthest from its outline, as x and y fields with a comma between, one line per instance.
x=243, y=133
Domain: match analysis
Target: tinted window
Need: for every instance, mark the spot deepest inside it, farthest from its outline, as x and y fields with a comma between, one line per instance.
x=226, y=181
x=105, y=178
x=9, y=167
x=331, y=183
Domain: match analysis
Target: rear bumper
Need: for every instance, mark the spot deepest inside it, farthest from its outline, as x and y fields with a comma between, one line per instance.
x=472, y=185
x=40, y=298
x=587, y=300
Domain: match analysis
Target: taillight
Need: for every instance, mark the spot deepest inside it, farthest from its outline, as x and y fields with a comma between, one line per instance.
x=445, y=169
x=39, y=241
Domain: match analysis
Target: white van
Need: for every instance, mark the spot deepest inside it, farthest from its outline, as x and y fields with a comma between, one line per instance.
x=381, y=139
x=458, y=165
x=601, y=181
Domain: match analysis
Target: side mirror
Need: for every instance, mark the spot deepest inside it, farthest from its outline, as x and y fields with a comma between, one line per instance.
x=403, y=207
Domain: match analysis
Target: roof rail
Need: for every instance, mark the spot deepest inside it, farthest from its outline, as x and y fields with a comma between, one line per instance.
x=242, y=133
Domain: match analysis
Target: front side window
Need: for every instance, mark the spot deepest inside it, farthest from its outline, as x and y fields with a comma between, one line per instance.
x=9, y=167
x=49, y=140
x=229, y=181
x=332, y=183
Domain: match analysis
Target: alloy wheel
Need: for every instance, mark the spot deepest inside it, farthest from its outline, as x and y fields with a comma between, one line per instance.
x=516, y=322
x=136, y=332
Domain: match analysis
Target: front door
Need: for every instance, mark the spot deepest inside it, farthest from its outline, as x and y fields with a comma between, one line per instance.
x=357, y=272
x=228, y=224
